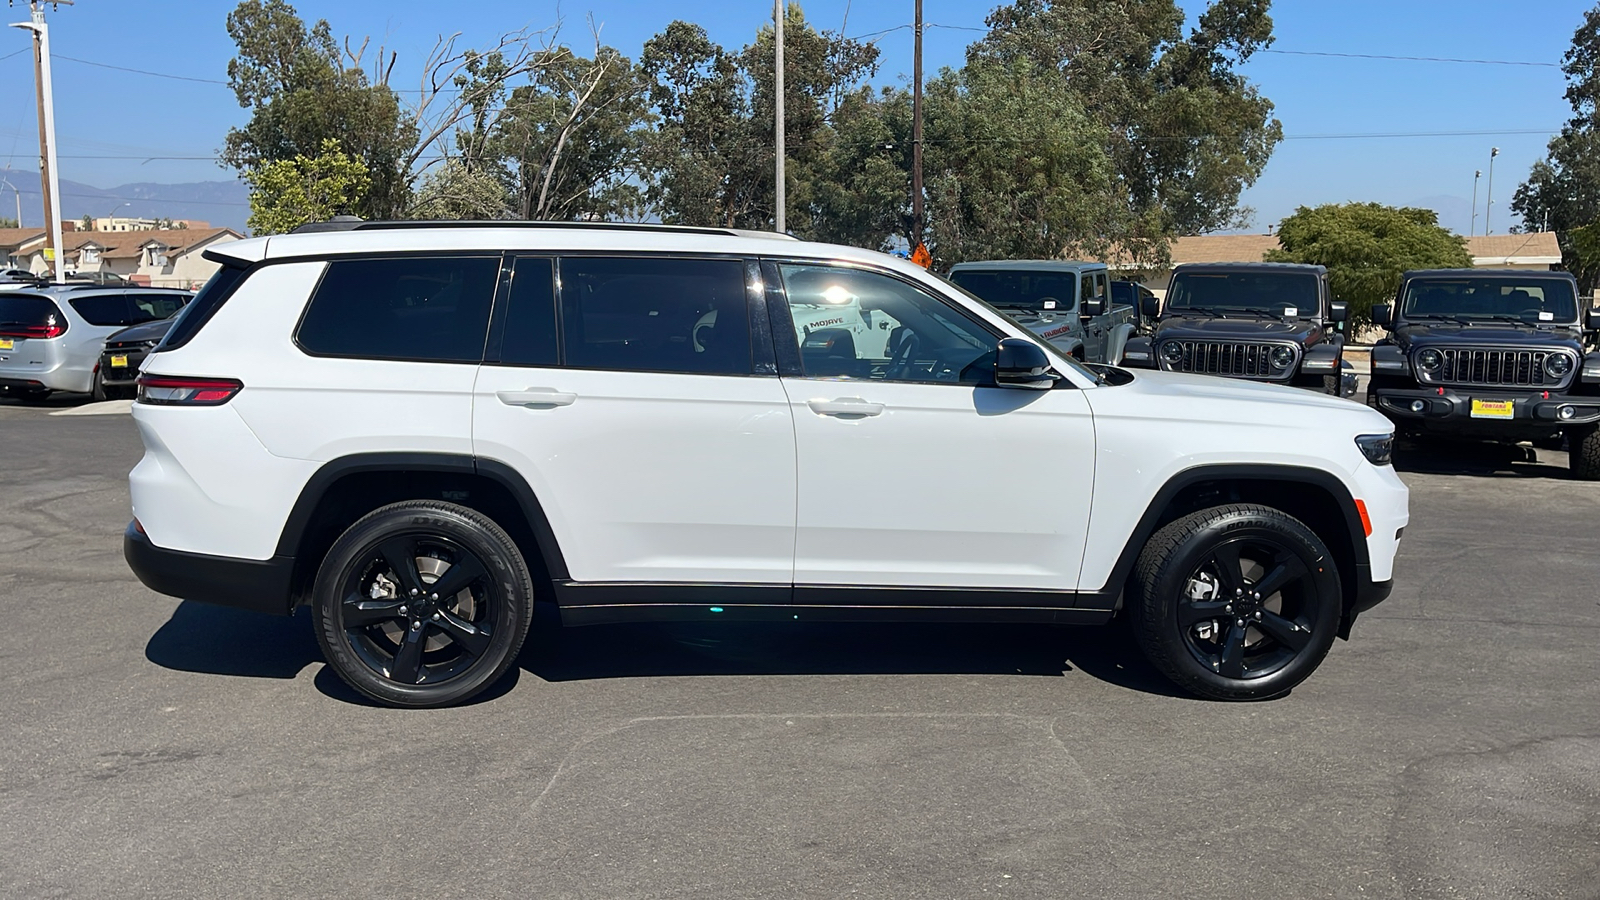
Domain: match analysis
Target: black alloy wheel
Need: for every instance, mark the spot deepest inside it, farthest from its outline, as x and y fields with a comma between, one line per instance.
x=422, y=604
x=1236, y=602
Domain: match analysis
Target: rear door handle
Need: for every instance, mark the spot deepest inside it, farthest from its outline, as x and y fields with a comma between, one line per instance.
x=845, y=407
x=539, y=398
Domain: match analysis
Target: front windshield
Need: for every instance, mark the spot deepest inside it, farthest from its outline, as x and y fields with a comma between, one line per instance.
x=1524, y=299
x=1013, y=289
x=1062, y=360
x=1266, y=293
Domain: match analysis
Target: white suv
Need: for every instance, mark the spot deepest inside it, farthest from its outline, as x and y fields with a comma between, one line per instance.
x=419, y=430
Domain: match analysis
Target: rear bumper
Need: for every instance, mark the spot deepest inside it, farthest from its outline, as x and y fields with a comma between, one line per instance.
x=258, y=585
x=125, y=375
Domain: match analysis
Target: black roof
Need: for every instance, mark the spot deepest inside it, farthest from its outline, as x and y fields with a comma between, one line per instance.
x=1488, y=273
x=1248, y=267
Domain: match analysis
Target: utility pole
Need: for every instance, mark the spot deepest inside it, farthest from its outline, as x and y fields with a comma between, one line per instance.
x=49, y=179
x=916, y=134
x=1473, y=229
x=1488, y=208
x=780, y=200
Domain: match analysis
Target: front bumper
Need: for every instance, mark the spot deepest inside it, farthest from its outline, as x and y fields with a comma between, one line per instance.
x=1449, y=410
x=258, y=585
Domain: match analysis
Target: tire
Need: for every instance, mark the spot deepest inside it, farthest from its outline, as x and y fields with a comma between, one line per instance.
x=1257, y=645
x=1583, y=453
x=99, y=393
x=441, y=650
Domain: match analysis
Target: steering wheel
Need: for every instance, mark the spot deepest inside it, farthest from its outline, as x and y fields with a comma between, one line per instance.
x=904, y=353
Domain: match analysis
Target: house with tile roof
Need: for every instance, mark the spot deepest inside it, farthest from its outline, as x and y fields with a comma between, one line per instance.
x=165, y=258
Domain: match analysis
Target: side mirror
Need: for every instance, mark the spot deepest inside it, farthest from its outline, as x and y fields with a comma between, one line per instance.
x=1337, y=311
x=1149, y=306
x=1094, y=306
x=1383, y=315
x=1591, y=320
x=1021, y=363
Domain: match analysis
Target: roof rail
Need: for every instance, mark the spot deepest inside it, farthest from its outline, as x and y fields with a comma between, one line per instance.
x=351, y=223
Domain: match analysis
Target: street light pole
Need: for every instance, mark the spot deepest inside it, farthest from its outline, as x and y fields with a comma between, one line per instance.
x=780, y=198
x=1488, y=208
x=48, y=173
x=113, y=213
x=1473, y=229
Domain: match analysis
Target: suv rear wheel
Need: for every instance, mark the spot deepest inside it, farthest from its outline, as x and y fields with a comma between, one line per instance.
x=422, y=604
x=1236, y=602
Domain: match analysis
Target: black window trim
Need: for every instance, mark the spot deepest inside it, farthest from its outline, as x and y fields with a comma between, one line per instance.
x=497, y=255
x=793, y=342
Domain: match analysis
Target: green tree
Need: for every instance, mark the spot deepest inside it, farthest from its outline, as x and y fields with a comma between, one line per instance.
x=300, y=94
x=456, y=190
x=288, y=193
x=86, y=223
x=711, y=160
x=572, y=138
x=1366, y=247
x=1182, y=132
x=1563, y=189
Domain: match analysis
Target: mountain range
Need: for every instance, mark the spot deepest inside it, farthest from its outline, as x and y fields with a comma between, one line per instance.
x=222, y=203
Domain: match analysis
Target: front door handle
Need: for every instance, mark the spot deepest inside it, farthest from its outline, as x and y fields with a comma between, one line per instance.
x=538, y=398
x=845, y=407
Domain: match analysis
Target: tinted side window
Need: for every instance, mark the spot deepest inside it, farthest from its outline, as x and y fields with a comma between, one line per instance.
x=864, y=325
x=205, y=304
x=150, y=307
x=433, y=309
x=106, y=309
x=530, y=329
x=656, y=315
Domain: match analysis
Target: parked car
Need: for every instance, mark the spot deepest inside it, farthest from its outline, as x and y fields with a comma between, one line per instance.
x=1491, y=353
x=51, y=338
x=104, y=279
x=1272, y=322
x=125, y=352
x=1069, y=304
x=417, y=430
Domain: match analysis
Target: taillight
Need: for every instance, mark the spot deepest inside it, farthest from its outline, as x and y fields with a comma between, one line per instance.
x=32, y=331
x=178, y=390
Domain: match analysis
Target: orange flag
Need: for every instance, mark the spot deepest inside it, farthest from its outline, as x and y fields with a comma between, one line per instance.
x=921, y=257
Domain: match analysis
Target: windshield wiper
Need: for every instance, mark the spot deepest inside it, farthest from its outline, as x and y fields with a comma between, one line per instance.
x=1515, y=320
x=1437, y=317
x=1259, y=311
x=1202, y=310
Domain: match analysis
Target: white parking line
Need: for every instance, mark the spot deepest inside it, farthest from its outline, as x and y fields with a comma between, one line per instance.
x=107, y=408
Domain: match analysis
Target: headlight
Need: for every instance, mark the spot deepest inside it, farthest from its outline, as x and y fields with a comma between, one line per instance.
x=1281, y=357
x=1430, y=360
x=1558, y=364
x=1377, y=448
x=1172, y=351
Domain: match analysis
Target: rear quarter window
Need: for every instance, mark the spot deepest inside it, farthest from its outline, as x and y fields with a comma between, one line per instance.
x=424, y=309
x=105, y=309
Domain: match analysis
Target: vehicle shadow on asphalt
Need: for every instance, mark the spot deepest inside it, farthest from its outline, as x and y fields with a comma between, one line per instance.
x=218, y=640
x=1439, y=457
x=824, y=648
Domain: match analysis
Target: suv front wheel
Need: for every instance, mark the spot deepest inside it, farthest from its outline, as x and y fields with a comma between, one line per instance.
x=422, y=604
x=1235, y=602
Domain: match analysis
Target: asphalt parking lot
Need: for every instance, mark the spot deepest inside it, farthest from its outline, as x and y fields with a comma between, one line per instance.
x=153, y=748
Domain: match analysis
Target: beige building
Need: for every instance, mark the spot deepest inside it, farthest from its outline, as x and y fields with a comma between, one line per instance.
x=1538, y=250
x=121, y=223
x=164, y=258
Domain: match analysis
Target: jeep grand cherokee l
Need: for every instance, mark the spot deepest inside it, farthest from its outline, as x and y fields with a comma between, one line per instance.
x=419, y=429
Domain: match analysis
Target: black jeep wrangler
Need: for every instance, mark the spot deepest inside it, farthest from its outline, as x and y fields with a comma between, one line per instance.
x=1271, y=322
x=1491, y=353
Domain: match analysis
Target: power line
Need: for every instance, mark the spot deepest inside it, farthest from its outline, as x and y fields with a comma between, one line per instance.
x=87, y=62
x=1443, y=59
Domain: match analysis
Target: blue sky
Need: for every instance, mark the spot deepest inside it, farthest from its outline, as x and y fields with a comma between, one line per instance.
x=105, y=113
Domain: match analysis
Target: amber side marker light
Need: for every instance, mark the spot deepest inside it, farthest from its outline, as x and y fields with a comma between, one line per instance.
x=1366, y=521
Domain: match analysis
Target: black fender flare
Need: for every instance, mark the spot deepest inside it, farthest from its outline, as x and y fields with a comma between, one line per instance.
x=329, y=473
x=1108, y=596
